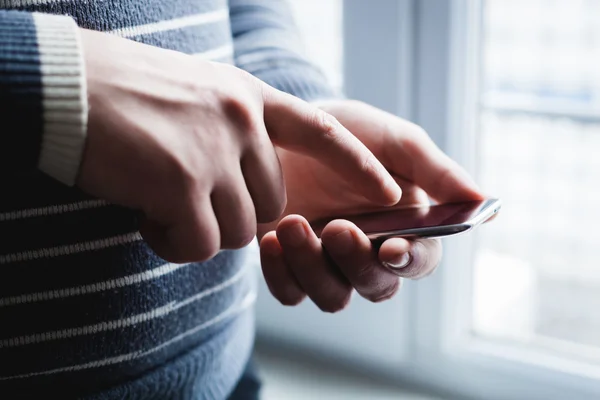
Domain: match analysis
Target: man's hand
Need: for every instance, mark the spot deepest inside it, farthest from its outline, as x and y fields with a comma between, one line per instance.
x=296, y=263
x=190, y=143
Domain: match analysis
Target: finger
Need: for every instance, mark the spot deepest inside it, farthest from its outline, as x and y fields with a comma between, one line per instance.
x=304, y=255
x=411, y=259
x=411, y=193
x=280, y=280
x=355, y=256
x=234, y=210
x=298, y=126
x=440, y=176
x=410, y=152
x=264, y=178
x=195, y=236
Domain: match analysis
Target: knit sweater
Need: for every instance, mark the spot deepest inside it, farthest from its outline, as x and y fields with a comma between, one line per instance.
x=87, y=309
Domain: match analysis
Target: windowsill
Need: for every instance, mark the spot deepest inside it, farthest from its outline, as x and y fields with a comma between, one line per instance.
x=288, y=376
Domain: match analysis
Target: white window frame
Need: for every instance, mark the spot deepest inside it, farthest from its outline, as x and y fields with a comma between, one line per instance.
x=430, y=49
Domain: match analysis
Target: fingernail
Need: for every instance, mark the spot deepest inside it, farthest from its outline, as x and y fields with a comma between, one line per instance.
x=341, y=243
x=294, y=235
x=402, y=262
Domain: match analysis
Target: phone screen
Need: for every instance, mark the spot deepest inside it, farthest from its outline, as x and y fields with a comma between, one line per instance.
x=413, y=217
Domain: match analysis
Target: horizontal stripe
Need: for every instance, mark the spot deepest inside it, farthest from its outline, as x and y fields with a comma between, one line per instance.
x=250, y=58
x=113, y=304
x=85, y=348
x=172, y=24
x=51, y=210
x=191, y=39
x=92, y=288
x=292, y=66
x=121, y=323
x=262, y=54
x=215, y=54
x=24, y=3
x=70, y=248
x=75, y=227
x=122, y=302
x=246, y=303
x=11, y=4
x=76, y=269
x=108, y=15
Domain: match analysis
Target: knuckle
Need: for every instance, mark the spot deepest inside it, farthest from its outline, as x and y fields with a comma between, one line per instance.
x=326, y=123
x=415, y=137
x=411, y=146
x=240, y=113
x=182, y=175
x=239, y=239
x=369, y=164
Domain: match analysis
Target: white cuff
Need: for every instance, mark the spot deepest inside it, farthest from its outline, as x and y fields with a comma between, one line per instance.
x=64, y=91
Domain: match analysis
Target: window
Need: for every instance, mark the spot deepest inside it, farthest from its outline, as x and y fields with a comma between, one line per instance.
x=510, y=89
x=320, y=24
x=537, y=275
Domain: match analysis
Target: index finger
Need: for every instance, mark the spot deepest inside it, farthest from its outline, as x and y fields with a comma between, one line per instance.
x=300, y=127
x=431, y=169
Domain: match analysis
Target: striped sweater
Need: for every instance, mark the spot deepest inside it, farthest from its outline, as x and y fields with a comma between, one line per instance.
x=87, y=310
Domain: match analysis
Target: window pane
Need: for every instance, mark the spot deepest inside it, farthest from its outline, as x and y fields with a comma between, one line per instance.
x=537, y=268
x=320, y=24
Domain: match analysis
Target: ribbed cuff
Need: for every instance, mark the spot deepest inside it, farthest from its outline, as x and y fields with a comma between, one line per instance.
x=64, y=94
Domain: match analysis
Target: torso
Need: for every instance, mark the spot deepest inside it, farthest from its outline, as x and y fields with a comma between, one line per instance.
x=84, y=302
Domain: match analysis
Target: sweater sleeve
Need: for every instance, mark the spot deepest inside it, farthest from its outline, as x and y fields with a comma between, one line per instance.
x=267, y=44
x=43, y=101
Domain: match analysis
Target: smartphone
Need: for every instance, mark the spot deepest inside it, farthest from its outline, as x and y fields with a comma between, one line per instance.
x=427, y=221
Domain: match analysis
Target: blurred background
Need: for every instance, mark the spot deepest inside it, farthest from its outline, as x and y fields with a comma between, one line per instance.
x=511, y=89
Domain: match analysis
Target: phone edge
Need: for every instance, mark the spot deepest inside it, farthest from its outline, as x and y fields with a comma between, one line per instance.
x=443, y=231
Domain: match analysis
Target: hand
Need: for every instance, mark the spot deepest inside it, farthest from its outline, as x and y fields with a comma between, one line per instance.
x=190, y=143
x=296, y=263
